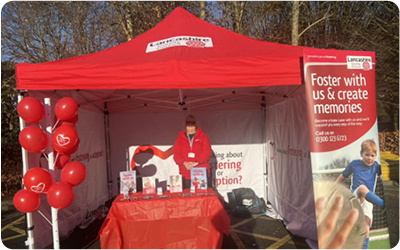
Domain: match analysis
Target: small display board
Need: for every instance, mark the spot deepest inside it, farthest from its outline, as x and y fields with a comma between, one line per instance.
x=175, y=183
x=149, y=185
x=128, y=182
x=198, y=177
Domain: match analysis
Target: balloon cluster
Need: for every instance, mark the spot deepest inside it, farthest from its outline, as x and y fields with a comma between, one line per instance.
x=38, y=181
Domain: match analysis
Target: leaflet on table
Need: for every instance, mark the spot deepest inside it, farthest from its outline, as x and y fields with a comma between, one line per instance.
x=149, y=185
x=175, y=183
x=128, y=182
x=198, y=178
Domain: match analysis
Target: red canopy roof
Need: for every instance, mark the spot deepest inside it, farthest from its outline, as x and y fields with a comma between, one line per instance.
x=197, y=54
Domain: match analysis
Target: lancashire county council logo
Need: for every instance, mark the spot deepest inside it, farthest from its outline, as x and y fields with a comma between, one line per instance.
x=359, y=62
x=195, y=44
x=177, y=41
x=366, y=66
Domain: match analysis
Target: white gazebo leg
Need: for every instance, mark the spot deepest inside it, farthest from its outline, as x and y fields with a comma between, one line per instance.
x=29, y=222
x=49, y=132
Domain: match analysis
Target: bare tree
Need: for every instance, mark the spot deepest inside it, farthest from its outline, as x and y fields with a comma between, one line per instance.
x=138, y=17
x=238, y=9
x=45, y=31
x=295, y=22
x=125, y=13
x=203, y=7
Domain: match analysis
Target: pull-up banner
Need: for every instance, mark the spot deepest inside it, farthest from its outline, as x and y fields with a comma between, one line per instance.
x=340, y=89
x=342, y=120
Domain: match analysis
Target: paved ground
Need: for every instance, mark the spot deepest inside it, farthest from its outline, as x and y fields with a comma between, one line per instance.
x=257, y=232
x=391, y=189
x=13, y=233
x=261, y=232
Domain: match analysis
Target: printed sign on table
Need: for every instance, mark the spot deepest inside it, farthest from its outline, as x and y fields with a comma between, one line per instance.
x=149, y=185
x=198, y=178
x=127, y=182
x=175, y=183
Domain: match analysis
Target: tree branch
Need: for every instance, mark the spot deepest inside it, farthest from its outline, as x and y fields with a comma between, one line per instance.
x=320, y=20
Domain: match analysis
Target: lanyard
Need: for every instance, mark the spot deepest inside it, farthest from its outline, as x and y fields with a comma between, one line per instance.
x=190, y=141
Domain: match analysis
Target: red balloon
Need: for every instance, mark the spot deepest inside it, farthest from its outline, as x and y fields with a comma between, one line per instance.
x=74, y=149
x=26, y=202
x=31, y=110
x=33, y=139
x=64, y=139
x=73, y=173
x=66, y=108
x=38, y=180
x=71, y=123
x=60, y=195
x=62, y=160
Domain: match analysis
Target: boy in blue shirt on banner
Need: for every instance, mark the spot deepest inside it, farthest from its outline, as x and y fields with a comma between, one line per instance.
x=365, y=172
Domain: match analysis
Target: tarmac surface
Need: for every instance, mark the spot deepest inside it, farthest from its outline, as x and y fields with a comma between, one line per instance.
x=391, y=189
x=253, y=232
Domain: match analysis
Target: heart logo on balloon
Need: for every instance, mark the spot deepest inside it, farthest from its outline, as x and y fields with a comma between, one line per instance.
x=39, y=188
x=62, y=141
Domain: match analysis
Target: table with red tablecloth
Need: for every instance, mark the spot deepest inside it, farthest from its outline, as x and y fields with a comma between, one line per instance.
x=183, y=220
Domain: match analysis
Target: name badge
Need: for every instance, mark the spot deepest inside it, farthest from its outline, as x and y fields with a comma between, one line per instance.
x=191, y=155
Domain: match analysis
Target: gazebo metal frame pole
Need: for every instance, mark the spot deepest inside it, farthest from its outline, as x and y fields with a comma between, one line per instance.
x=50, y=156
x=108, y=150
x=29, y=222
x=264, y=143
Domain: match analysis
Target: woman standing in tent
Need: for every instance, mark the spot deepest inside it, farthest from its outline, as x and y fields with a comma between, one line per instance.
x=192, y=150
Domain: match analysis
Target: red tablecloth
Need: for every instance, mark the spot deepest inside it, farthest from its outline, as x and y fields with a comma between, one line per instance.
x=176, y=222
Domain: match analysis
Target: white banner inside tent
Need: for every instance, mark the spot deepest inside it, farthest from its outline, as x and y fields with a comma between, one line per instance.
x=239, y=166
x=233, y=166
